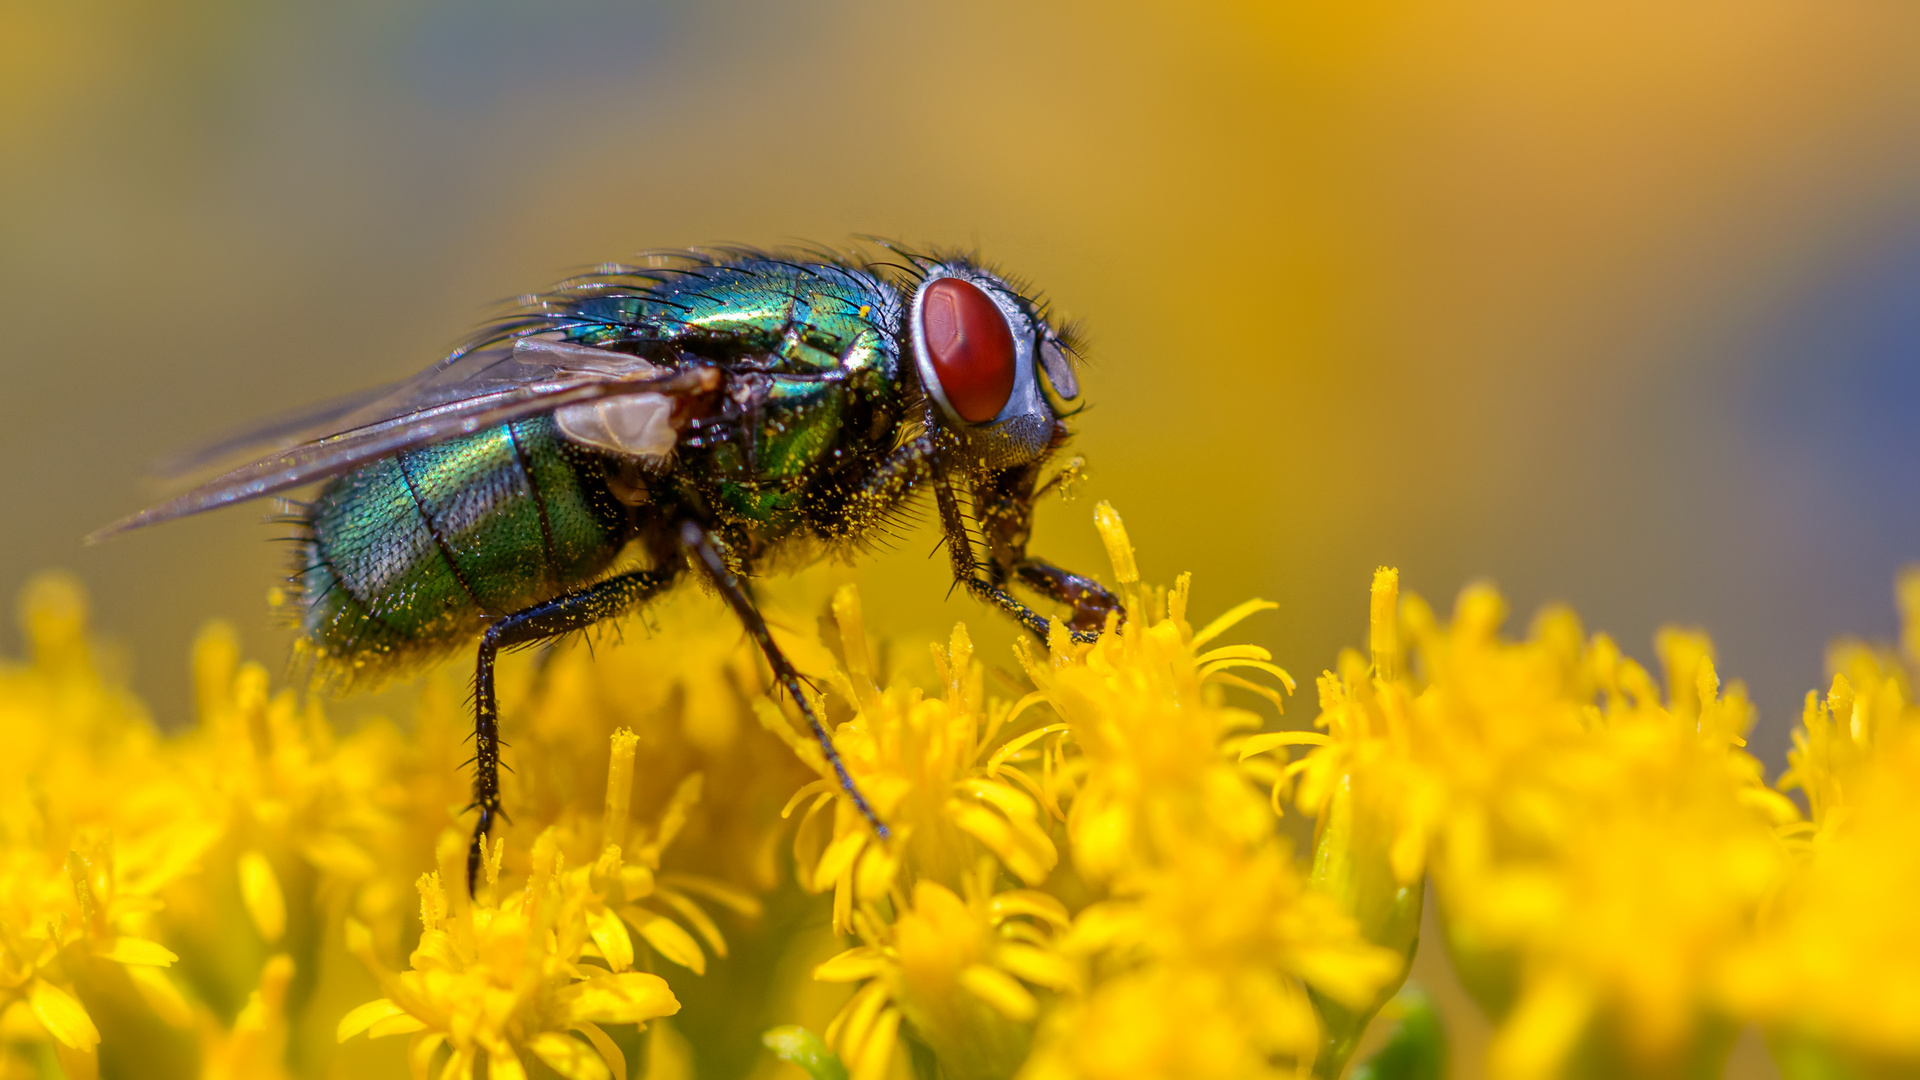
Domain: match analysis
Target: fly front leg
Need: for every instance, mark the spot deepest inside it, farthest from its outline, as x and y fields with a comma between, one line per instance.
x=1090, y=600
x=701, y=548
x=1003, y=505
x=576, y=610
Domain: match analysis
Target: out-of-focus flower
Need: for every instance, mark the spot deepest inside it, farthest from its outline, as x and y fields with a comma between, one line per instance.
x=1835, y=974
x=1372, y=804
x=1600, y=853
x=94, y=823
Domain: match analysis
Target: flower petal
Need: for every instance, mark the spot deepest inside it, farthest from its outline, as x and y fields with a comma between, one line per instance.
x=860, y=962
x=396, y=1025
x=876, y=1054
x=1225, y=622
x=133, y=950
x=65, y=1018
x=668, y=939
x=1260, y=744
x=838, y=856
x=568, y=1056
x=609, y=1051
x=1038, y=966
x=1000, y=990
x=628, y=998
x=610, y=934
x=420, y=1052
x=260, y=890
x=364, y=1017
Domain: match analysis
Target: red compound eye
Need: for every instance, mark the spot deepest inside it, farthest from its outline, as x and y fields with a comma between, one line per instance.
x=970, y=346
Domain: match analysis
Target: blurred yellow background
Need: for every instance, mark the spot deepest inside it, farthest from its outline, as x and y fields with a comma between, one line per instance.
x=1616, y=304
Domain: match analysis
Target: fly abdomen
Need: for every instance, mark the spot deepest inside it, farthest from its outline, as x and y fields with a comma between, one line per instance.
x=415, y=553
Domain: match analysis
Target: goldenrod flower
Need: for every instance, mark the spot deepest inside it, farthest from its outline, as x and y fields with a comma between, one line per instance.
x=1205, y=951
x=1086, y=880
x=497, y=981
x=1144, y=709
x=690, y=685
x=957, y=970
x=925, y=765
x=1373, y=803
x=94, y=823
x=1600, y=853
x=1205, y=964
x=1835, y=973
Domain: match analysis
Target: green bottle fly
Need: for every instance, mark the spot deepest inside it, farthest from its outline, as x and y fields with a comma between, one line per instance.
x=705, y=411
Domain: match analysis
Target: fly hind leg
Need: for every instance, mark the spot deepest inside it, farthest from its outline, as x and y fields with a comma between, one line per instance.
x=702, y=550
x=576, y=610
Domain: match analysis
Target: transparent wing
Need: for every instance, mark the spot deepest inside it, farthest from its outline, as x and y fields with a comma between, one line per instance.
x=277, y=433
x=518, y=366
x=493, y=365
x=481, y=389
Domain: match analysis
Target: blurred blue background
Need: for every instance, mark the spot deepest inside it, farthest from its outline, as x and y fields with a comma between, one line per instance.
x=1611, y=304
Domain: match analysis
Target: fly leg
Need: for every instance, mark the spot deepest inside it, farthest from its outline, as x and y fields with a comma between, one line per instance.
x=1090, y=600
x=699, y=545
x=576, y=610
x=1003, y=503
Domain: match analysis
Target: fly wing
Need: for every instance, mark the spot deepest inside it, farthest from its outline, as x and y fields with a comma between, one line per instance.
x=554, y=379
x=469, y=372
x=278, y=433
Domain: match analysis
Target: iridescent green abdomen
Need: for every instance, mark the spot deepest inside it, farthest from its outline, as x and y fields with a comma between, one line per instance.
x=413, y=554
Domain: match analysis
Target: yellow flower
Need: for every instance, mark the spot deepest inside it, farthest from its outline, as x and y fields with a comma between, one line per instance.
x=616, y=892
x=1600, y=854
x=1143, y=708
x=94, y=823
x=1088, y=880
x=684, y=679
x=1204, y=952
x=1835, y=974
x=957, y=971
x=497, y=981
x=928, y=767
x=1373, y=804
x=1205, y=963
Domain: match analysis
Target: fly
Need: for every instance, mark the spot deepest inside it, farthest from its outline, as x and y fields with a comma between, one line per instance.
x=708, y=408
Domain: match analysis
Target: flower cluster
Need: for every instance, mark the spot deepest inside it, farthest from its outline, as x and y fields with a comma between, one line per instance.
x=1835, y=971
x=1621, y=890
x=1104, y=872
x=1176, y=936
